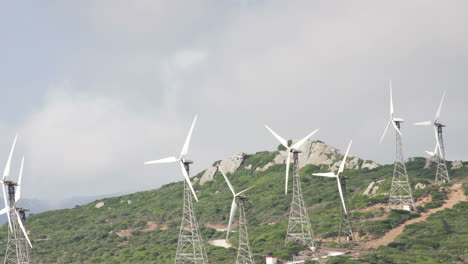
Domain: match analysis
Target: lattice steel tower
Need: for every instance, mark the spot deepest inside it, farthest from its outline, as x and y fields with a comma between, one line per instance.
x=299, y=228
x=400, y=191
x=18, y=250
x=190, y=248
x=442, y=174
x=244, y=253
x=345, y=224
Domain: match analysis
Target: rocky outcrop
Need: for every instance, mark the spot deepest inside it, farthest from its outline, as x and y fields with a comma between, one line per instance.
x=319, y=153
x=419, y=185
x=370, y=165
x=457, y=164
x=208, y=175
x=99, y=205
x=312, y=152
x=229, y=165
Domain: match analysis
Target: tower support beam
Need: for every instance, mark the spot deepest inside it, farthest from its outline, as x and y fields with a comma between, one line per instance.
x=442, y=174
x=345, y=224
x=299, y=227
x=190, y=247
x=18, y=250
x=400, y=191
x=244, y=252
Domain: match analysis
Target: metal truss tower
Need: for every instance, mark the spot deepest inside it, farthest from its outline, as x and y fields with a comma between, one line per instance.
x=299, y=228
x=244, y=253
x=442, y=171
x=190, y=248
x=400, y=191
x=17, y=251
x=345, y=224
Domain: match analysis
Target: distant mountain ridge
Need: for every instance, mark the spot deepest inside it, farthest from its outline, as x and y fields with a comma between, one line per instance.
x=37, y=206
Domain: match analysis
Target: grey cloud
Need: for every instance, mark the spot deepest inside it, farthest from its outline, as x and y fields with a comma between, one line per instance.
x=296, y=66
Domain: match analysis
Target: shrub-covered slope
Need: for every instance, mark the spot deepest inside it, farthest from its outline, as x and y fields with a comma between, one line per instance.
x=143, y=227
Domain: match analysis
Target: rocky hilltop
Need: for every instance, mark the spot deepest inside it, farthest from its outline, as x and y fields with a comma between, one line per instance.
x=313, y=152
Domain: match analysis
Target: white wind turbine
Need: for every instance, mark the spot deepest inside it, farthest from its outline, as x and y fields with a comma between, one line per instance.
x=439, y=151
x=5, y=184
x=182, y=161
x=6, y=173
x=337, y=176
x=290, y=150
x=341, y=181
x=436, y=123
x=400, y=190
x=234, y=202
x=393, y=120
x=244, y=253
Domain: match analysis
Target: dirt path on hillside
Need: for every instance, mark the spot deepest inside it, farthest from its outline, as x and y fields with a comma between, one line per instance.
x=455, y=195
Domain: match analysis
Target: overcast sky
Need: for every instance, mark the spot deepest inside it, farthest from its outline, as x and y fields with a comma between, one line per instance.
x=95, y=88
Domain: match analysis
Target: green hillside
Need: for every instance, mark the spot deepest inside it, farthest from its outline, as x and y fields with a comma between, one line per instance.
x=143, y=227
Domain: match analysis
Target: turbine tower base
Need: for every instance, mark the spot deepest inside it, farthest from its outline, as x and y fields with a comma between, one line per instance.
x=190, y=248
x=299, y=227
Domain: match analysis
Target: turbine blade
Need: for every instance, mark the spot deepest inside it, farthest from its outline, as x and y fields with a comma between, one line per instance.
x=18, y=189
x=6, y=172
x=432, y=154
x=227, y=181
x=343, y=163
x=231, y=216
x=3, y=211
x=244, y=191
x=385, y=132
x=20, y=222
x=440, y=108
x=165, y=160
x=439, y=150
x=187, y=140
x=298, y=144
x=288, y=160
x=7, y=207
x=396, y=128
x=325, y=174
x=425, y=123
x=341, y=195
x=187, y=179
x=280, y=139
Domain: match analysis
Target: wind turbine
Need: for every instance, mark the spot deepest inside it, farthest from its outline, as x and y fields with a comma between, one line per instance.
x=184, y=163
x=190, y=248
x=20, y=212
x=244, y=253
x=345, y=225
x=290, y=149
x=6, y=184
x=400, y=191
x=299, y=227
x=17, y=249
x=439, y=151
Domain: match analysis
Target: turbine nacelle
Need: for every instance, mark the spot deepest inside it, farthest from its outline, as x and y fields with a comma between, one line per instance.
x=399, y=120
x=186, y=161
